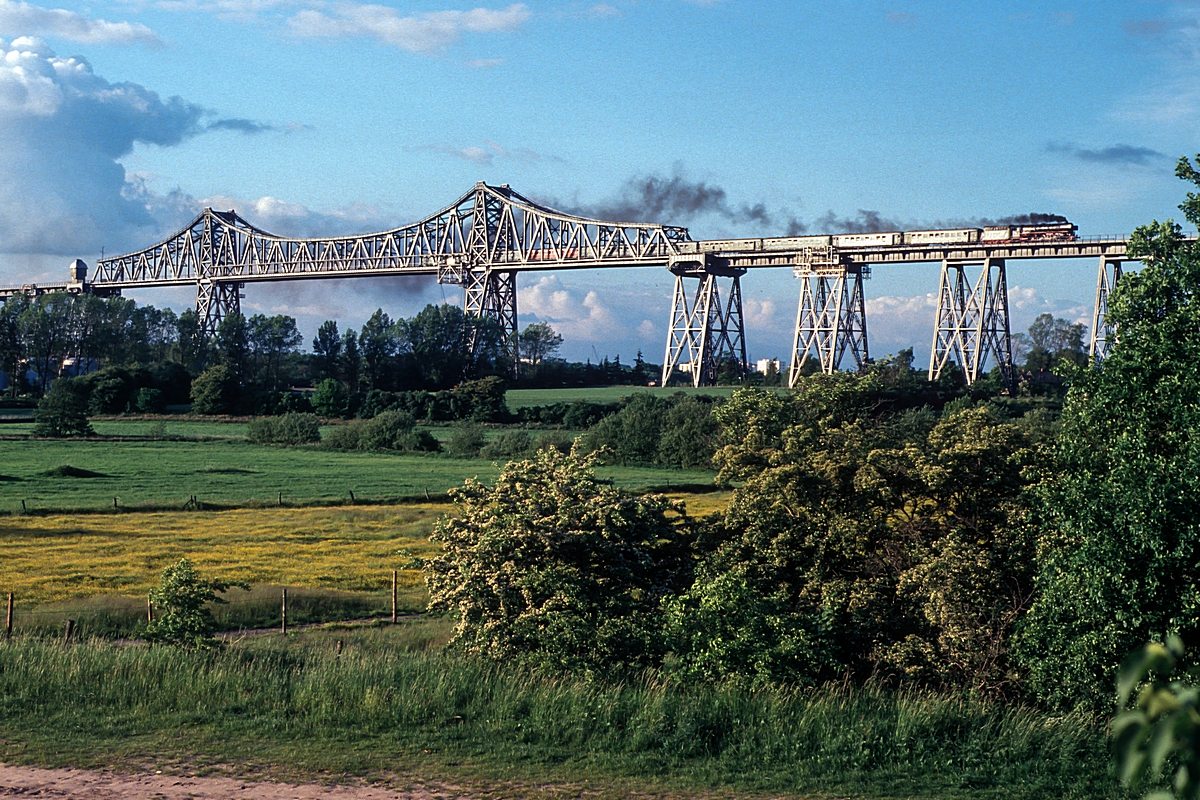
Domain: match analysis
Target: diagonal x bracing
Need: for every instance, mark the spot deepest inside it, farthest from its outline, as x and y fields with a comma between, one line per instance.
x=705, y=335
x=831, y=317
x=972, y=322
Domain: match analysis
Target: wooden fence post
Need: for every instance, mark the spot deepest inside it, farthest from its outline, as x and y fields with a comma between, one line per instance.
x=149, y=611
x=70, y=630
x=393, y=597
x=283, y=613
x=8, y=618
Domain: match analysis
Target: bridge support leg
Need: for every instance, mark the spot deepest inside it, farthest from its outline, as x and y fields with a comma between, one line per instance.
x=489, y=294
x=1102, y=333
x=972, y=324
x=214, y=302
x=831, y=318
x=706, y=335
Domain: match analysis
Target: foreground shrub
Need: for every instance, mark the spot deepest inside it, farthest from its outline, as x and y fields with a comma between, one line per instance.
x=183, y=599
x=893, y=547
x=290, y=429
x=552, y=566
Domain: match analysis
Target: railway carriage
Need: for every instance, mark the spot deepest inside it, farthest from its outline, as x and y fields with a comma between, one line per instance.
x=958, y=236
x=889, y=239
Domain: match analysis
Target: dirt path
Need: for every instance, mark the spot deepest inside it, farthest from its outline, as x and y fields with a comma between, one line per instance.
x=79, y=784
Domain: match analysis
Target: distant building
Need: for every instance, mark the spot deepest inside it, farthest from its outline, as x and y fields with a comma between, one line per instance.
x=764, y=365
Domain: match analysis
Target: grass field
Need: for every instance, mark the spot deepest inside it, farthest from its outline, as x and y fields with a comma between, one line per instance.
x=231, y=472
x=352, y=549
x=520, y=398
x=337, y=561
x=394, y=702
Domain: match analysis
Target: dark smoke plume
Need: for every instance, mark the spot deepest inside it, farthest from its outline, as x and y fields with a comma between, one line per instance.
x=865, y=222
x=1032, y=218
x=795, y=227
x=673, y=200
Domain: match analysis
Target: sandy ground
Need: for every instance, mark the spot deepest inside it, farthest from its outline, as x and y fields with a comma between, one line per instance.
x=78, y=784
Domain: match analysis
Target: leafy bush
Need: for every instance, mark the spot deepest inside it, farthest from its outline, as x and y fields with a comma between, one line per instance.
x=110, y=390
x=895, y=546
x=290, y=429
x=508, y=444
x=481, y=400
x=632, y=435
x=150, y=401
x=182, y=599
x=63, y=410
x=292, y=403
x=466, y=441
x=394, y=430
x=391, y=430
x=583, y=414
x=375, y=402
x=343, y=437
x=552, y=566
x=1161, y=728
x=330, y=399
x=689, y=437
x=555, y=440
x=215, y=391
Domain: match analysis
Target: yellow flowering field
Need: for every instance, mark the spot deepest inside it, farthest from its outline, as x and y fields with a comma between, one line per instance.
x=45, y=559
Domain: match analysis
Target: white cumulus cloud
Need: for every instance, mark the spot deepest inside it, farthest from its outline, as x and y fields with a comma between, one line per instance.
x=430, y=32
x=62, y=130
x=577, y=318
x=22, y=18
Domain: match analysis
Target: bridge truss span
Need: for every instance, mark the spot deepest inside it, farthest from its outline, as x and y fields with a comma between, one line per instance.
x=480, y=242
x=488, y=228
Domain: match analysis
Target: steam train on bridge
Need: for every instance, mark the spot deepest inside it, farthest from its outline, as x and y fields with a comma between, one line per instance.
x=1058, y=231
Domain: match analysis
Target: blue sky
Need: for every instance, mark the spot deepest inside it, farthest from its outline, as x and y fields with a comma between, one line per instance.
x=120, y=118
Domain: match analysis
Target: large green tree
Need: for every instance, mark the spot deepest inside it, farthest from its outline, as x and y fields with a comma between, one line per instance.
x=327, y=351
x=378, y=344
x=1119, y=558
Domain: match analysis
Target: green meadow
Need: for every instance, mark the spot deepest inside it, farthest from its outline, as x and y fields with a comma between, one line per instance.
x=232, y=472
x=521, y=398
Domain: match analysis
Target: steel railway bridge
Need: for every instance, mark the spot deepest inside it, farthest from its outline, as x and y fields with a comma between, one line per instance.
x=482, y=241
